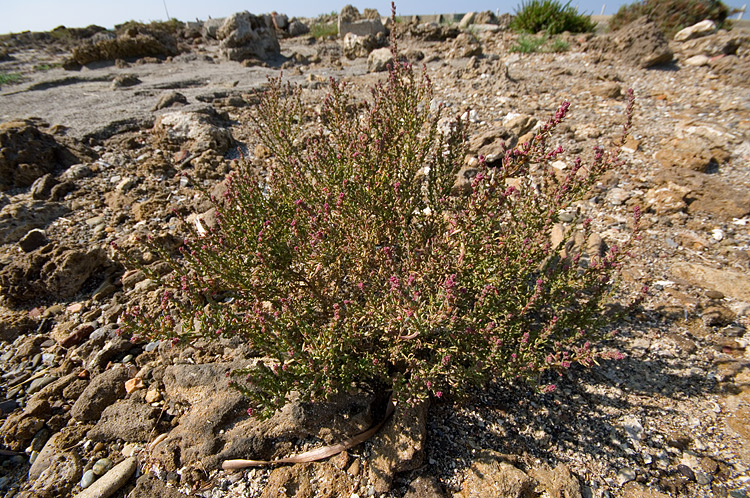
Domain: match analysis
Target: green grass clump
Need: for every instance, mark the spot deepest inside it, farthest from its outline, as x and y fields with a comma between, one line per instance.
x=324, y=30
x=550, y=16
x=46, y=67
x=541, y=43
x=10, y=78
x=672, y=15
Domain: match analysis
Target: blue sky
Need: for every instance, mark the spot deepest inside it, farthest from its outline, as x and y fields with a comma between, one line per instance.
x=43, y=15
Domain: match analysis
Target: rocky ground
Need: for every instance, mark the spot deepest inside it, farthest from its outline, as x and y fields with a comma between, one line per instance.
x=95, y=154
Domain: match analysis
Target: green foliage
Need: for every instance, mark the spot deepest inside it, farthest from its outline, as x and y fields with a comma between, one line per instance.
x=324, y=30
x=550, y=16
x=540, y=43
x=354, y=264
x=10, y=78
x=61, y=33
x=173, y=26
x=46, y=67
x=671, y=15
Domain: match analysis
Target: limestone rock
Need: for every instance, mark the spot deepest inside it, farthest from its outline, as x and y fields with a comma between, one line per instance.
x=703, y=28
x=707, y=193
x=728, y=282
x=425, y=487
x=634, y=490
x=109, y=483
x=56, y=271
x=55, y=445
x=688, y=154
x=640, y=43
x=42, y=187
x=309, y=480
x=465, y=45
x=297, y=28
x=246, y=36
x=665, y=200
x=150, y=486
x=197, y=130
x=399, y=446
x=360, y=46
x=491, y=477
x=350, y=21
x=63, y=472
x=102, y=391
x=129, y=420
x=557, y=482
x=721, y=43
x=210, y=28
x=379, y=59
x=26, y=153
x=492, y=144
x=467, y=20
x=18, y=218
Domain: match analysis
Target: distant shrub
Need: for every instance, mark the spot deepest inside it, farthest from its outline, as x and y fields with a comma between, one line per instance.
x=550, y=16
x=542, y=43
x=354, y=264
x=671, y=15
x=172, y=26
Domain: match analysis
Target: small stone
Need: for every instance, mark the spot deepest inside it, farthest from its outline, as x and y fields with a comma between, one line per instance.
x=74, y=308
x=566, y=217
x=702, y=478
x=37, y=384
x=354, y=468
x=151, y=346
x=33, y=240
x=625, y=475
x=130, y=449
x=152, y=395
x=714, y=294
x=99, y=447
x=133, y=385
x=686, y=471
x=102, y=466
x=697, y=60
x=87, y=479
x=113, y=480
x=125, y=80
x=128, y=358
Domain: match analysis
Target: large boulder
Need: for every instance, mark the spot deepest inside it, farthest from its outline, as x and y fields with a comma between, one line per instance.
x=360, y=46
x=197, y=131
x=351, y=21
x=246, y=36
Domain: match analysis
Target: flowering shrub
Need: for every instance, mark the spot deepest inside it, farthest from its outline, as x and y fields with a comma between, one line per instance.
x=351, y=264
